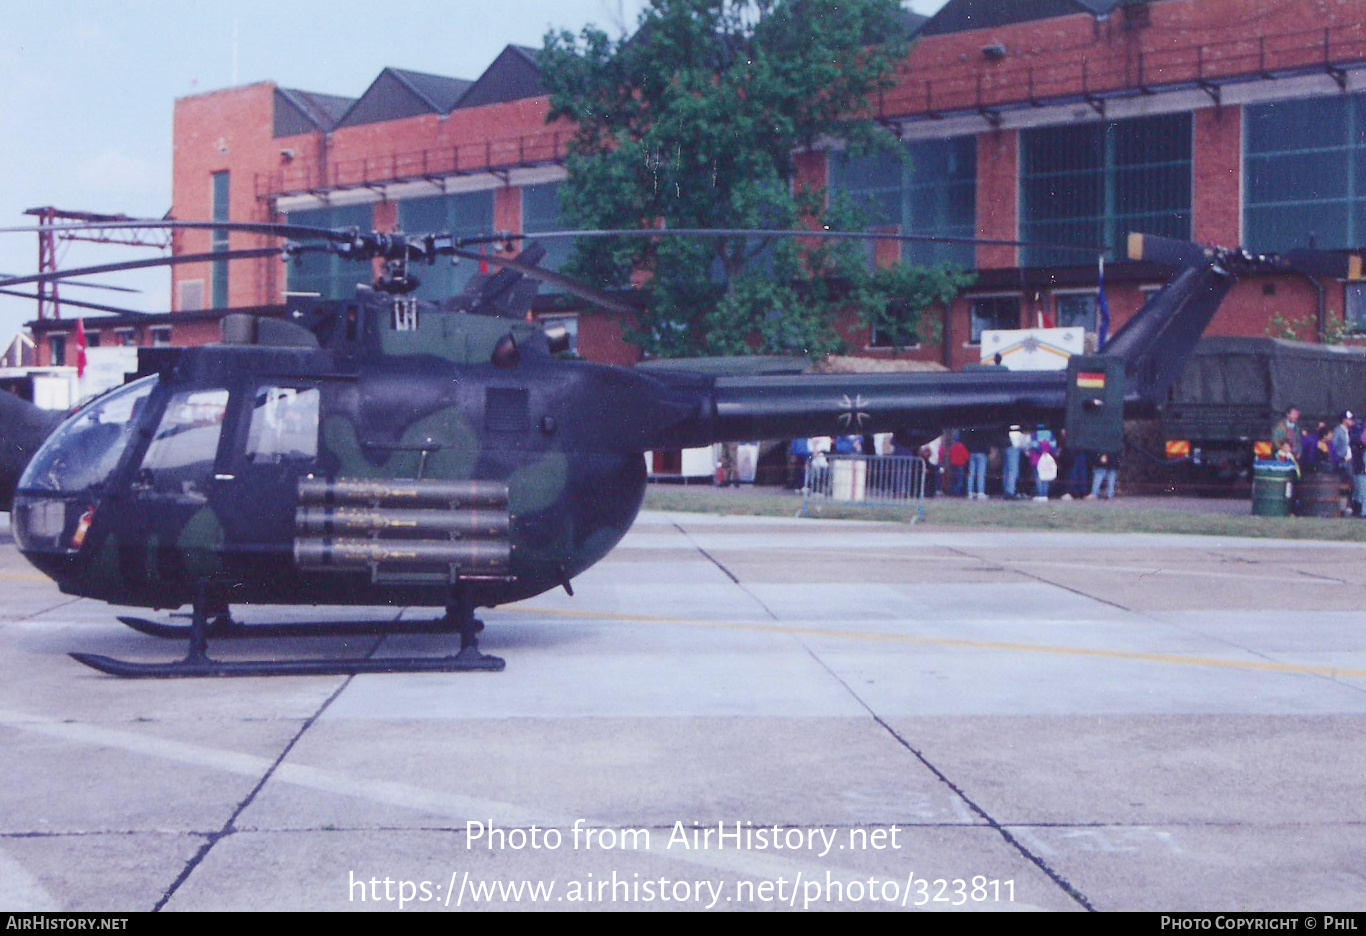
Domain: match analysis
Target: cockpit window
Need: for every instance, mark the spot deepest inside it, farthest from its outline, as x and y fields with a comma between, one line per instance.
x=284, y=425
x=180, y=459
x=86, y=449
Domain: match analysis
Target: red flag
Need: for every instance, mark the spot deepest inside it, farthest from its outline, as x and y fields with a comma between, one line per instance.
x=81, y=345
x=483, y=264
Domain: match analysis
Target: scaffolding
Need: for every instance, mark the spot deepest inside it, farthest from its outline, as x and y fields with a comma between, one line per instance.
x=50, y=232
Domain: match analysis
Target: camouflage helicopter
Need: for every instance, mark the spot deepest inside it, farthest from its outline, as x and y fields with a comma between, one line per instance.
x=391, y=451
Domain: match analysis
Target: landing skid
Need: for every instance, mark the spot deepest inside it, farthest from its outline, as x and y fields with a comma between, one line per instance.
x=225, y=628
x=459, y=619
x=464, y=661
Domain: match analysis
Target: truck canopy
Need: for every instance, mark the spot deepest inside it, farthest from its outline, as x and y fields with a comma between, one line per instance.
x=1235, y=389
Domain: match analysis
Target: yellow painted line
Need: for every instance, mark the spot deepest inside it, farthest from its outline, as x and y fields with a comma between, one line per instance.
x=1178, y=658
x=1254, y=573
x=23, y=577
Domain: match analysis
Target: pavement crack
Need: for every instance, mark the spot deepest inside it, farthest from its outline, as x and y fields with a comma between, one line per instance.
x=1065, y=885
x=229, y=827
x=41, y=611
x=728, y=573
x=1318, y=577
x=1151, y=617
x=710, y=558
x=1259, y=563
x=1038, y=578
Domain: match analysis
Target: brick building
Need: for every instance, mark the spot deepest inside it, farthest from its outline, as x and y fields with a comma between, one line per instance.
x=1075, y=121
x=1064, y=121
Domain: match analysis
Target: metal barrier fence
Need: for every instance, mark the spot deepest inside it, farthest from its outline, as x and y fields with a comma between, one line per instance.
x=866, y=480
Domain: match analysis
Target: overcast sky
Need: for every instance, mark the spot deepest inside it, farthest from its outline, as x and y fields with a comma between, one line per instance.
x=88, y=89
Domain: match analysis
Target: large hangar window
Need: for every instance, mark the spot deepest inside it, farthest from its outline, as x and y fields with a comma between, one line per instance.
x=1092, y=184
x=933, y=192
x=1305, y=173
x=461, y=215
x=541, y=211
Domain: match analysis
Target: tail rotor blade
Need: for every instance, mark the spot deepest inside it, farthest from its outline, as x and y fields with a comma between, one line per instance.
x=571, y=286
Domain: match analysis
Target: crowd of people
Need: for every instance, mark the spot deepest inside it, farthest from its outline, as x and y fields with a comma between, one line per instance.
x=1032, y=465
x=1039, y=464
x=1322, y=448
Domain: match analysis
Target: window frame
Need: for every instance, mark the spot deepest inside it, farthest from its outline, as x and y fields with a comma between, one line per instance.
x=1351, y=152
x=898, y=181
x=1109, y=225
x=975, y=341
x=1093, y=294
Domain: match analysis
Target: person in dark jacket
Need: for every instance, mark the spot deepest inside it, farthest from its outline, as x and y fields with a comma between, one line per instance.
x=1106, y=473
x=979, y=447
x=1358, y=443
x=1287, y=433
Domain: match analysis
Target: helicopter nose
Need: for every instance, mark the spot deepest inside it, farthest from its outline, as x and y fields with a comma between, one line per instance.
x=23, y=427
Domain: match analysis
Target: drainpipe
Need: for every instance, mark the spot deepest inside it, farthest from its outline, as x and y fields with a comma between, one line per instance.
x=324, y=141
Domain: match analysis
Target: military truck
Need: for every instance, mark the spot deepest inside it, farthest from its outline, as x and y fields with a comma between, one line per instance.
x=1233, y=391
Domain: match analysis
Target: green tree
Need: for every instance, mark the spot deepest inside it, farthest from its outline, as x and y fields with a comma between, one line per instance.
x=695, y=122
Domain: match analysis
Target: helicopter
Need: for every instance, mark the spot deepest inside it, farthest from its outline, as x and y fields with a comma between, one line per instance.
x=387, y=450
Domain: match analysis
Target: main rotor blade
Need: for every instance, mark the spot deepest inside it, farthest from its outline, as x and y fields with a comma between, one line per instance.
x=571, y=286
x=763, y=232
x=142, y=264
x=73, y=302
x=268, y=228
x=1167, y=251
x=1170, y=251
x=1323, y=263
x=125, y=289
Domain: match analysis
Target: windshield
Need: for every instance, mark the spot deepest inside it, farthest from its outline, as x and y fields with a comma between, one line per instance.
x=86, y=448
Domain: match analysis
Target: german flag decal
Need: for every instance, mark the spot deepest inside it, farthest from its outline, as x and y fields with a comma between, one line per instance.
x=1091, y=380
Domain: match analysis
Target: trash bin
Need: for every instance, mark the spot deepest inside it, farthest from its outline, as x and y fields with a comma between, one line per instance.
x=1320, y=495
x=849, y=478
x=1272, y=485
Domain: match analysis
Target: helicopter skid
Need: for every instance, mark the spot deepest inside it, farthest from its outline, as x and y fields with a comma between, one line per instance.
x=222, y=628
x=467, y=660
x=212, y=619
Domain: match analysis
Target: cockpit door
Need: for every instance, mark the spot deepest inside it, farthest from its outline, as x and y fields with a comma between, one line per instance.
x=167, y=530
x=276, y=444
x=178, y=466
